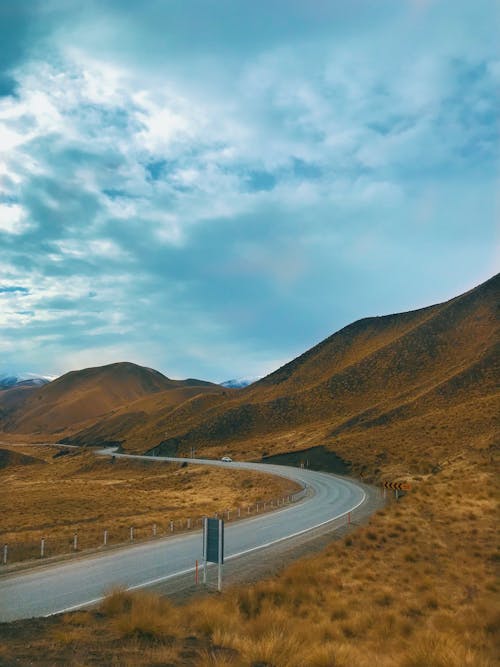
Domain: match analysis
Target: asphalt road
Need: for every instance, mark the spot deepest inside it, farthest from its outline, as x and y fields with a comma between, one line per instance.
x=69, y=585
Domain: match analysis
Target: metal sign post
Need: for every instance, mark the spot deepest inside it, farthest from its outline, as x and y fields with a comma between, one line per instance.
x=213, y=547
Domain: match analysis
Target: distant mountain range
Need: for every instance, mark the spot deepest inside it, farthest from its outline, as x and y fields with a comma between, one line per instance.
x=425, y=380
x=239, y=383
x=8, y=380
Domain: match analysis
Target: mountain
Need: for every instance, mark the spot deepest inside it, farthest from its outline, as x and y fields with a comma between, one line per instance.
x=240, y=383
x=79, y=396
x=8, y=381
x=425, y=379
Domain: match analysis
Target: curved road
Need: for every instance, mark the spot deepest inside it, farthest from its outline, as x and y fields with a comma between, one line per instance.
x=65, y=586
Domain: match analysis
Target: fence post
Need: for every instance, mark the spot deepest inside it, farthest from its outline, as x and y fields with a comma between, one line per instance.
x=105, y=537
x=75, y=541
x=42, y=547
x=5, y=550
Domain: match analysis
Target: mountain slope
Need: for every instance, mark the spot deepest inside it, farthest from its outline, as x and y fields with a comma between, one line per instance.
x=80, y=396
x=425, y=379
x=370, y=376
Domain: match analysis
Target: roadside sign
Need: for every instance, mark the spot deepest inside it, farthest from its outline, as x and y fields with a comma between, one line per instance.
x=213, y=547
x=214, y=528
x=398, y=486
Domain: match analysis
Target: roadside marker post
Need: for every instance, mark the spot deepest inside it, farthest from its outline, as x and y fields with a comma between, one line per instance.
x=75, y=541
x=105, y=541
x=5, y=551
x=131, y=533
x=42, y=547
x=154, y=530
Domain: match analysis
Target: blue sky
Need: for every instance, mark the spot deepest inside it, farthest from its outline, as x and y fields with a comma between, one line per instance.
x=211, y=187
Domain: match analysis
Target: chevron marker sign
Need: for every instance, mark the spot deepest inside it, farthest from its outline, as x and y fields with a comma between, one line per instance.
x=398, y=486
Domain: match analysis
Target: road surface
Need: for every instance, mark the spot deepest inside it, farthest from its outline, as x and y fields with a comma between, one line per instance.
x=84, y=581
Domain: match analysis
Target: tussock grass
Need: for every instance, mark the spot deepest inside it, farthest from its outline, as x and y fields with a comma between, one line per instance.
x=413, y=588
x=84, y=494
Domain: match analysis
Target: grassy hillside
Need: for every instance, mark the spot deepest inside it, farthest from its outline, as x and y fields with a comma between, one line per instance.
x=432, y=373
x=416, y=587
x=83, y=396
x=46, y=494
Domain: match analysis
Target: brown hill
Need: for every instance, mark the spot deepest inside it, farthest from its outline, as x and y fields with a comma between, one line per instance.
x=429, y=377
x=426, y=380
x=11, y=459
x=82, y=396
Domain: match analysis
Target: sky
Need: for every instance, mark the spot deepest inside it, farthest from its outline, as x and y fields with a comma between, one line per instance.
x=211, y=187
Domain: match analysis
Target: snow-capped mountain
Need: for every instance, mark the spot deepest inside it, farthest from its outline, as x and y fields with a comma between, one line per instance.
x=239, y=383
x=9, y=380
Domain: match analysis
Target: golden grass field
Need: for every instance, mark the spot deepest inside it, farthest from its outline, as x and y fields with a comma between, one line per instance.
x=416, y=587
x=54, y=497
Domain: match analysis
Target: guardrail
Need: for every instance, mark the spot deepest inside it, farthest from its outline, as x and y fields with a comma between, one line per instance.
x=101, y=537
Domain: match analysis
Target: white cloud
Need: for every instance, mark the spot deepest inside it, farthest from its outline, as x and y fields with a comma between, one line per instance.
x=13, y=219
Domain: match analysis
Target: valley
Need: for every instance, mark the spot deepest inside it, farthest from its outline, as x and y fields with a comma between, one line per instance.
x=409, y=397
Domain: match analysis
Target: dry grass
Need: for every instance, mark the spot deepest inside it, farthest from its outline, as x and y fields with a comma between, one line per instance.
x=417, y=587
x=81, y=493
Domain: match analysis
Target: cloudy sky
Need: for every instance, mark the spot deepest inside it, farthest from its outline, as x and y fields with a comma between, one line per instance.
x=210, y=187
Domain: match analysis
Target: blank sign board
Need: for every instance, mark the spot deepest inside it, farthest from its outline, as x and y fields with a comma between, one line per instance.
x=214, y=541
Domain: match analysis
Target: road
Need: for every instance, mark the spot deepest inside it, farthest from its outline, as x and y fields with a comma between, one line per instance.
x=84, y=581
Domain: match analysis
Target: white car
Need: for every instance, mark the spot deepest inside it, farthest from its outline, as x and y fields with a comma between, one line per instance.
x=227, y=459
